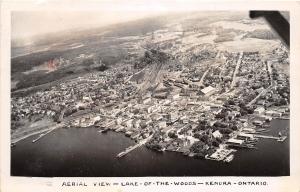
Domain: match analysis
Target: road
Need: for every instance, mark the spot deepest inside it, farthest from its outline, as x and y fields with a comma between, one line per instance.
x=259, y=95
x=236, y=70
x=269, y=72
x=203, y=76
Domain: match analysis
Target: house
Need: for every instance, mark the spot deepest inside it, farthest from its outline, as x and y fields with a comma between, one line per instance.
x=257, y=122
x=129, y=123
x=119, y=121
x=162, y=124
x=184, y=119
x=136, y=123
x=261, y=102
x=173, y=117
x=245, y=136
x=167, y=102
x=176, y=96
x=216, y=111
x=259, y=110
x=217, y=134
x=207, y=91
x=233, y=141
x=273, y=113
x=147, y=100
x=249, y=130
x=153, y=109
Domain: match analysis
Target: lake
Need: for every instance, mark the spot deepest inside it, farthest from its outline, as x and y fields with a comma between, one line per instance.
x=83, y=152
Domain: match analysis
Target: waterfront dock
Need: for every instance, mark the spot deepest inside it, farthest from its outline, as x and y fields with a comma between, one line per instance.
x=131, y=148
x=221, y=154
x=281, y=139
x=42, y=135
x=284, y=118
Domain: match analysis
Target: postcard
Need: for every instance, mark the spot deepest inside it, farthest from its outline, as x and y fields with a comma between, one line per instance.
x=144, y=96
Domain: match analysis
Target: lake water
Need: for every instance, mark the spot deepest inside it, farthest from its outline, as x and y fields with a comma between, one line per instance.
x=84, y=152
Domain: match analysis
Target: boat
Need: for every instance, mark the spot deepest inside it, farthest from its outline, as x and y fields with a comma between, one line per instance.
x=229, y=158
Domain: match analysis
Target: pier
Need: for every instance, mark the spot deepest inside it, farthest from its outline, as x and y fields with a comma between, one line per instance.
x=42, y=135
x=281, y=139
x=131, y=148
x=283, y=118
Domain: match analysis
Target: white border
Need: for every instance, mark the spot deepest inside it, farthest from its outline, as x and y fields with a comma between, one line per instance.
x=12, y=184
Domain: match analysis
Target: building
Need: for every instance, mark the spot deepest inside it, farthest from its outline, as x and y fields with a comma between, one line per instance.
x=217, y=134
x=216, y=111
x=166, y=102
x=273, y=113
x=162, y=124
x=173, y=117
x=249, y=130
x=129, y=123
x=184, y=119
x=207, y=91
x=257, y=122
x=147, y=100
x=176, y=96
x=259, y=110
x=153, y=109
x=245, y=136
x=162, y=95
x=233, y=141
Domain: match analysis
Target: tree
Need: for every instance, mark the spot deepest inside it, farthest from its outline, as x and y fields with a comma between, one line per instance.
x=283, y=101
x=197, y=135
x=197, y=147
x=215, y=143
x=204, y=138
x=172, y=134
x=234, y=127
x=226, y=131
x=219, y=140
x=231, y=102
x=250, y=110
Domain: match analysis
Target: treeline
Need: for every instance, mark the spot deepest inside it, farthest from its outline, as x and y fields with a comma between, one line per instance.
x=261, y=34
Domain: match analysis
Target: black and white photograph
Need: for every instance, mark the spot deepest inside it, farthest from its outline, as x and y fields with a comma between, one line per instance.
x=141, y=94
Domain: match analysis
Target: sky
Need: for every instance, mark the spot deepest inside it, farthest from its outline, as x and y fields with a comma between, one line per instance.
x=100, y=13
x=27, y=24
x=65, y=16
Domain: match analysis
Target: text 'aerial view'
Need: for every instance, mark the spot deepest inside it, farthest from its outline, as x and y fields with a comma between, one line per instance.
x=202, y=93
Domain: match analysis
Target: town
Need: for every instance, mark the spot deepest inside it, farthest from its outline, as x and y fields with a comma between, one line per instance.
x=199, y=101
